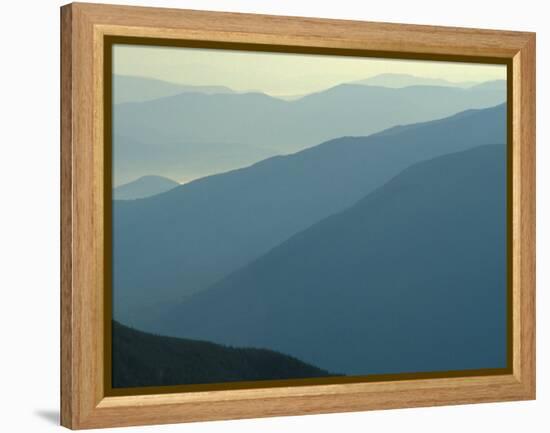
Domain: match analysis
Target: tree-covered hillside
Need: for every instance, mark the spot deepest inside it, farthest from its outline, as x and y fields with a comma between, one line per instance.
x=142, y=359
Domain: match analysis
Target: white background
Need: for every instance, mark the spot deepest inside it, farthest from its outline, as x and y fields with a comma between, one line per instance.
x=29, y=219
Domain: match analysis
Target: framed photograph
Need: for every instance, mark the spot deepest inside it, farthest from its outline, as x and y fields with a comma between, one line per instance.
x=266, y=215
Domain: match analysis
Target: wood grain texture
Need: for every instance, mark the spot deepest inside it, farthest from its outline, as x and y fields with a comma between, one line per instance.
x=524, y=215
x=67, y=386
x=308, y=32
x=83, y=401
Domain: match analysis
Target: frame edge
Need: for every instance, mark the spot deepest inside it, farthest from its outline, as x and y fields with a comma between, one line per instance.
x=67, y=403
x=524, y=106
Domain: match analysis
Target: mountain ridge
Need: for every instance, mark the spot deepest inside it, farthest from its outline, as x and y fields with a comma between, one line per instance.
x=169, y=128
x=132, y=88
x=396, y=80
x=205, y=229
x=143, y=187
x=316, y=295
x=143, y=359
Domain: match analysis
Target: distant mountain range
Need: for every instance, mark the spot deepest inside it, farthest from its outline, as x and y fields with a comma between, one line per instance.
x=128, y=88
x=141, y=359
x=168, y=246
x=397, y=81
x=499, y=85
x=182, y=161
x=193, y=134
x=145, y=186
x=411, y=278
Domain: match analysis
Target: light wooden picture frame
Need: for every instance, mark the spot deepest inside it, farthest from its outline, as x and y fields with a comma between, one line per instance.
x=87, y=32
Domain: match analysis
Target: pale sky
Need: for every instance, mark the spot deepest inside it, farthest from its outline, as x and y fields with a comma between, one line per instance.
x=279, y=73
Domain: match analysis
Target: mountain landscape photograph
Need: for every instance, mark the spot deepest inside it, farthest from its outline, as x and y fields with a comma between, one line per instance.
x=295, y=216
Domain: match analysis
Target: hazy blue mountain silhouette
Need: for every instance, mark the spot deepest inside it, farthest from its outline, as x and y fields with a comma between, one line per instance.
x=411, y=278
x=498, y=85
x=268, y=126
x=183, y=161
x=145, y=186
x=141, y=359
x=127, y=88
x=405, y=80
x=170, y=245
